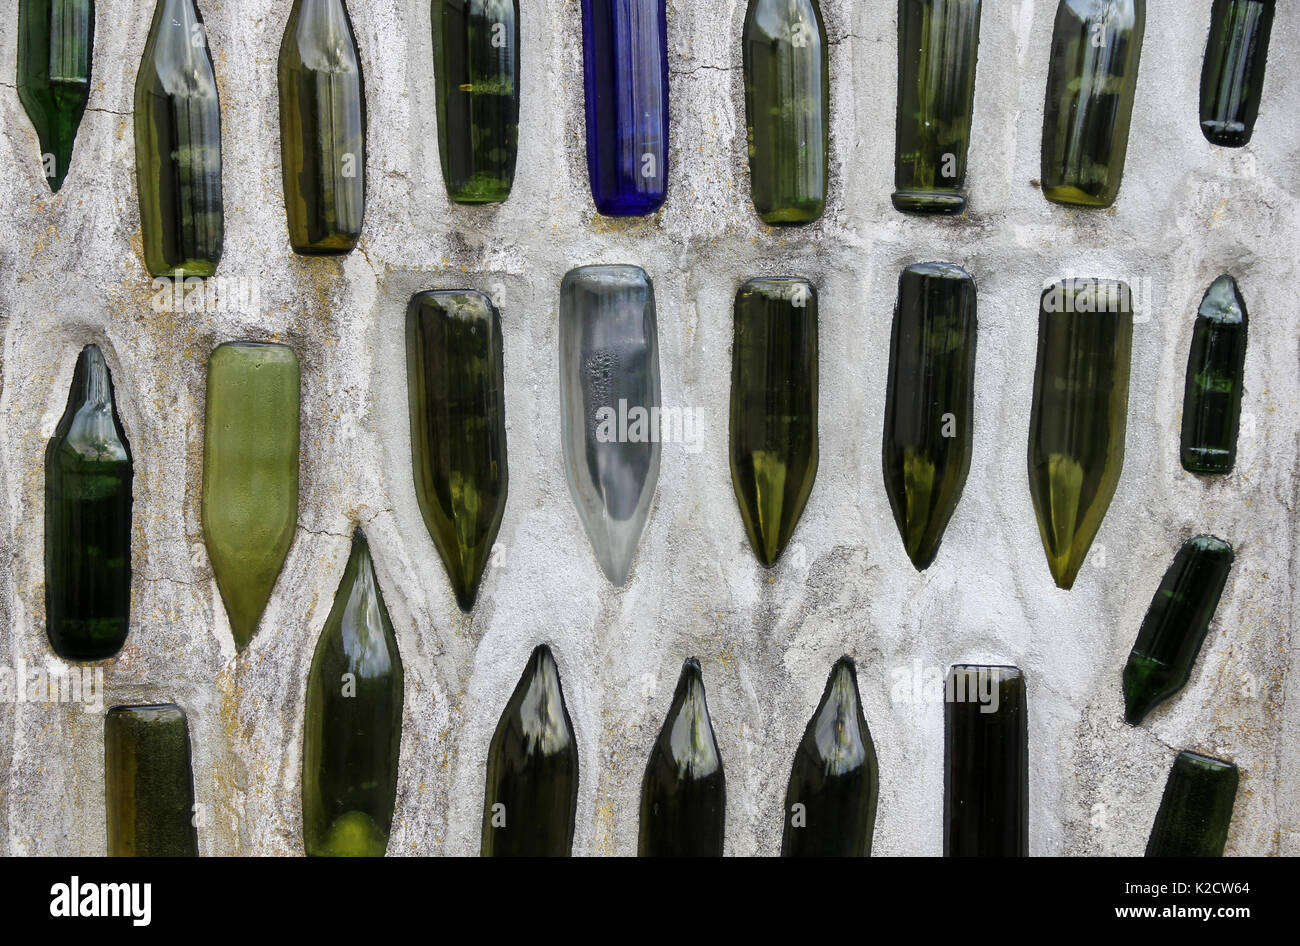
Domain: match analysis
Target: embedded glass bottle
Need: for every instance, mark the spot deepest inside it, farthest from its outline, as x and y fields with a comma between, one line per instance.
x=938, y=42
x=476, y=77
x=1216, y=368
x=88, y=479
x=56, y=40
x=178, y=146
x=1091, y=82
x=1232, y=78
x=149, y=783
x=787, y=109
x=353, y=717
x=322, y=128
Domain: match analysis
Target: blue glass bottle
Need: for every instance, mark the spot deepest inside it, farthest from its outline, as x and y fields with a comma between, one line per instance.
x=625, y=72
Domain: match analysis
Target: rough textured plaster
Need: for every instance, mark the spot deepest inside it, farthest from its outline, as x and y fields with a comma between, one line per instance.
x=71, y=272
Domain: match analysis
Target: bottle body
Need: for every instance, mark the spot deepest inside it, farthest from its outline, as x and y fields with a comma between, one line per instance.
x=1232, y=79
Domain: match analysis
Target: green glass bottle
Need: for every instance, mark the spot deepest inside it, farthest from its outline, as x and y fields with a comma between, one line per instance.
x=684, y=792
x=1196, y=809
x=938, y=43
x=322, y=129
x=250, y=474
x=1175, y=625
x=148, y=783
x=178, y=145
x=530, y=805
x=456, y=390
x=353, y=735
x=929, y=403
x=774, y=409
x=56, y=40
x=787, y=109
x=88, y=478
x=1080, y=414
x=830, y=802
x=1091, y=83
x=476, y=77
x=1232, y=78
x=986, y=763
x=1216, y=369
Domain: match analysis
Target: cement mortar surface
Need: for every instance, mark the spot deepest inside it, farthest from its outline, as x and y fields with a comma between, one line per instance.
x=71, y=272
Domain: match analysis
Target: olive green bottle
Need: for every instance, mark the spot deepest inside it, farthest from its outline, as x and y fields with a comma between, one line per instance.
x=353, y=735
x=88, y=479
x=1091, y=82
x=1175, y=625
x=774, y=409
x=787, y=109
x=1216, y=368
x=530, y=804
x=1232, y=78
x=1079, y=416
x=250, y=474
x=148, y=783
x=929, y=403
x=938, y=42
x=986, y=763
x=830, y=802
x=456, y=390
x=684, y=793
x=322, y=128
x=476, y=77
x=1196, y=808
x=178, y=145
x=56, y=41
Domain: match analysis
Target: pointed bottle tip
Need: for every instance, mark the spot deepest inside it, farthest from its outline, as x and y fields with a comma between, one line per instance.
x=692, y=665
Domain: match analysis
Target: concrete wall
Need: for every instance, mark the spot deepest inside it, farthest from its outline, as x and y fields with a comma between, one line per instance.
x=71, y=272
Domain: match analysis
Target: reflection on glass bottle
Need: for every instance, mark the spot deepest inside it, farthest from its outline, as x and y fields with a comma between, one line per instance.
x=1091, y=83
x=938, y=41
x=178, y=145
x=530, y=804
x=476, y=73
x=88, y=478
x=322, y=128
x=354, y=720
x=56, y=40
x=830, y=802
x=149, y=783
x=787, y=109
x=684, y=793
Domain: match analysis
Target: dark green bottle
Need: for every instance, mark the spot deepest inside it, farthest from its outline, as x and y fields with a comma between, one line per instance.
x=986, y=763
x=531, y=802
x=56, y=40
x=178, y=145
x=353, y=720
x=830, y=803
x=787, y=109
x=476, y=73
x=938, y=43
x=929, y=403
x=250, y=474
x=1232, y=78
x=457, y=391
x=1079, y=417
x=1216, y=370
x=322, y=129
x=1091, y=82
x=684, y=792
x=1175, y=625
x=774, y=409
x=1196, y=809
x=148, y=783
x=88, y=477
